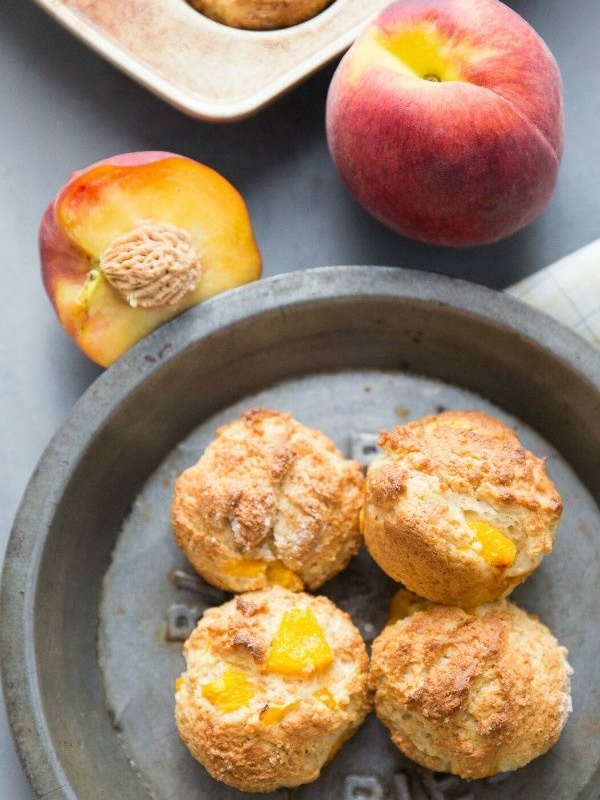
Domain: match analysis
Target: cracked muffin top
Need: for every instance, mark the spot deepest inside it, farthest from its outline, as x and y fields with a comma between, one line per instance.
x=269, y=502
x=457, y=509
x=276, y=682
x=470, y=692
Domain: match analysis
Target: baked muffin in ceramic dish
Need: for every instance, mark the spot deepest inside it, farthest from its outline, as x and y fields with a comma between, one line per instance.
x=473, y=692
x=269, y=502
x=260, y=15
x=457, y=509
x=276, y=682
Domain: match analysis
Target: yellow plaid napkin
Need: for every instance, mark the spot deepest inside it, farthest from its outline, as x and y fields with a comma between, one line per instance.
x=568, y=290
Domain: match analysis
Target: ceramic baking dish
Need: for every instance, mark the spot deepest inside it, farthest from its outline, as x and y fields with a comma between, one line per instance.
x=206, y=69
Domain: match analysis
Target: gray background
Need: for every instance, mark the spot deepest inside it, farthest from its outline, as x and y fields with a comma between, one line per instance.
x=62, y=107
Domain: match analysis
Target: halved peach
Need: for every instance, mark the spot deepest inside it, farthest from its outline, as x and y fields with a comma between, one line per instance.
x=136, y=239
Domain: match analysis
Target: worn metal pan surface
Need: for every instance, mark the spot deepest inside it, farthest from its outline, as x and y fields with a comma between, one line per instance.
x=95, y=596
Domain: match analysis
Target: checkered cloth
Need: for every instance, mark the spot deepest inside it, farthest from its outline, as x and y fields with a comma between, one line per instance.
x=568, y=290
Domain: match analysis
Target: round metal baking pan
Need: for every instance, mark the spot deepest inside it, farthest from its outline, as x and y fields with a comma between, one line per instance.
x=95, y=596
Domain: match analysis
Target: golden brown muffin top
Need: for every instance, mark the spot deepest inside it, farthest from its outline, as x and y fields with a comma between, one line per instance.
x=241, y=631
x=473, y=692
x=275, y=683
x=470, y=452
x=268, y=487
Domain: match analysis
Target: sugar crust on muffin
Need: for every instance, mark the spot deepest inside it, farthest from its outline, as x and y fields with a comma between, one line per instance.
x=473, y=692
x=457, y=509
x=276, y=682
x=269, y=501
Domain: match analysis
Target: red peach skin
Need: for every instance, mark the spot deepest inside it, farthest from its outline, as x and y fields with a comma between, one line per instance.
x=445, y=120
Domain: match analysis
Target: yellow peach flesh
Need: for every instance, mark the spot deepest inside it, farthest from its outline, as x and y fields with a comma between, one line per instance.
x=299, y=646
x=361, y=520
x=230, y=692
x=496, y=548
x=98, y=208
x=275, y=572
x=421, y=51
x=274, y=714
x=108, y=201
x=244, y=567
x=280, y=575
x=425, y=52
x=100, y=321
x=325, y=696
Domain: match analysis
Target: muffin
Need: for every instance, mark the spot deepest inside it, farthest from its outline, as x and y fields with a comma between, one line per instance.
x=275, y=683
x=270, y=502
x=470, y=692
x=259, y=15
x=457, y=509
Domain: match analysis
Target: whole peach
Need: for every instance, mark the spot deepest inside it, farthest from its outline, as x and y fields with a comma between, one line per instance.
x=445, y=120
x=135, y=239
